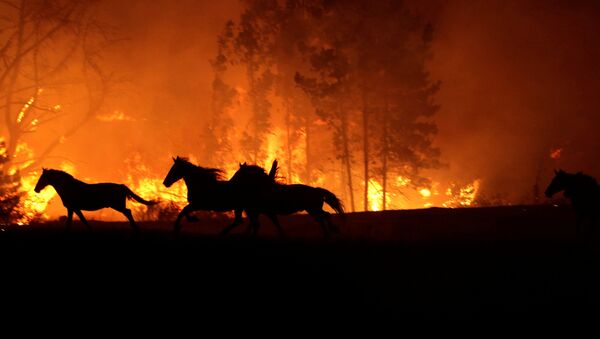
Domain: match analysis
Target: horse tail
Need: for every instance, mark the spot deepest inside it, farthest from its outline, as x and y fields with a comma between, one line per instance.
x=133, y=196
x=332, y=200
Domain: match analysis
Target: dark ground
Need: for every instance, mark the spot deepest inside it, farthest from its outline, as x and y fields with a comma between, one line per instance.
x=500, y=266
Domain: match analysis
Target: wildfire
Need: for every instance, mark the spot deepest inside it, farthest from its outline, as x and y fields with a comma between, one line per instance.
x=556, y=153
x=375, y=193
x=399, y=193
x=32, y=205
x=464, y=196
x=147, y=185
x=425, y=192
x=115, y=116
x=402, y=181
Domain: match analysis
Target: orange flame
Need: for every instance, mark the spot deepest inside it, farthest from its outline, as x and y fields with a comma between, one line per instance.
x=556, y=153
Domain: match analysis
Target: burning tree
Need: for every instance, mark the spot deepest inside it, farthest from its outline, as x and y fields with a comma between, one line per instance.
x=217, y=133
x=356, y=67
x=48, y=49
x=370, y=58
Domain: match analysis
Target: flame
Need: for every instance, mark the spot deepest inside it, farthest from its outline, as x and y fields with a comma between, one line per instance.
x=375, y=193
x=144, y=183
x=115, y=116
x=469, y=193
x=32, y=205
x=556, y=153
x=401, y=193
x=463, y=196
x=402, y=181
x=24, y=109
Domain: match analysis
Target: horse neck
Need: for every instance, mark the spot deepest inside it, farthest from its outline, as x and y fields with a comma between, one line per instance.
x=195, y=176
x=63, y=183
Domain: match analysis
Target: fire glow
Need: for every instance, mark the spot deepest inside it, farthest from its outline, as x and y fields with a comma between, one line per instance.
x=147, y=184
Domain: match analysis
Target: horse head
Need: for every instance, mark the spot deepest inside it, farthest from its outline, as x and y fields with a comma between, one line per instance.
x=559, y=183
x=42, y=181
x=175, y=173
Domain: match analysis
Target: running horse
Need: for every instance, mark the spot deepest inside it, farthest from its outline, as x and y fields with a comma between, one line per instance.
x=584, y=193
x=261, y=194
x=207, y=191
x=78, y=196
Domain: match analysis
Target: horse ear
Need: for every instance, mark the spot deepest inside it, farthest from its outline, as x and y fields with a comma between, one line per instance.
x=241, y=165
x=174, y=159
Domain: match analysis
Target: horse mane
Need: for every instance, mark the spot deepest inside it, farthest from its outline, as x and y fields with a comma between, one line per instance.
x=254, y=168
x=580, y=178
x=213, y=173
x=586, y=179
x=59, y=172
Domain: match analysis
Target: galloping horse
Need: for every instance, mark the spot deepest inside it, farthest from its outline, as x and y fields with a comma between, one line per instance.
x=582, y=190
x=206, y=191
x=79, y=196
x=261, y=194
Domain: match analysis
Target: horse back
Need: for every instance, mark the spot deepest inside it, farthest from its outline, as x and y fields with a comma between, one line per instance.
x=218, y=196
x=91, y=197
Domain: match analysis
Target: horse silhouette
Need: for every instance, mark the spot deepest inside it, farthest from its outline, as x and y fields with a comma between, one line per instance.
x=206, y=191
x=78, y=196
x=261, y=194
x=584, y=193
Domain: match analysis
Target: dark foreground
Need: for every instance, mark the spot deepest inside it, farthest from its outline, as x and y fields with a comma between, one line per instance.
x=502, y=266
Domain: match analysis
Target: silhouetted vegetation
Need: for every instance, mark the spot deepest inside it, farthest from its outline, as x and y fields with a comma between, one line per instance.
x=50, y=48
x=356, y=67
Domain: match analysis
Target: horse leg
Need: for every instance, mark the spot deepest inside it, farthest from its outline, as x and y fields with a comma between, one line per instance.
x=254, y=223
x=69, y=219
x=185, y=211
x=236, y=221
x=127, y=213
x=83, y=220
x=332, y=227
x=275, y=221
x=319, y=217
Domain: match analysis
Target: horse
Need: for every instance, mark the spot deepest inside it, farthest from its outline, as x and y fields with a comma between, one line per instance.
x=261, y=194
x=78, y=196
x=207, y=191
x=584, y=193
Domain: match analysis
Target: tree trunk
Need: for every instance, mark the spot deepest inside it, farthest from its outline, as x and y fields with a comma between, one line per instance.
x=384, y=155
x=346, y=157
x=366, y=154
x=308, y=169
x=288, y=122
x=384, y=167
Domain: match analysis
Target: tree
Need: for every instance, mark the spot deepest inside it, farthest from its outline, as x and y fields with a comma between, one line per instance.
x=48, y=47
x=50, y=51
x=358, y=67
x=218, y=130
x=384, y=49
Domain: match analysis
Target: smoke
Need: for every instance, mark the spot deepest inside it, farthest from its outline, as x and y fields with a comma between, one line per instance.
x=519, y=79
x=163, y=74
